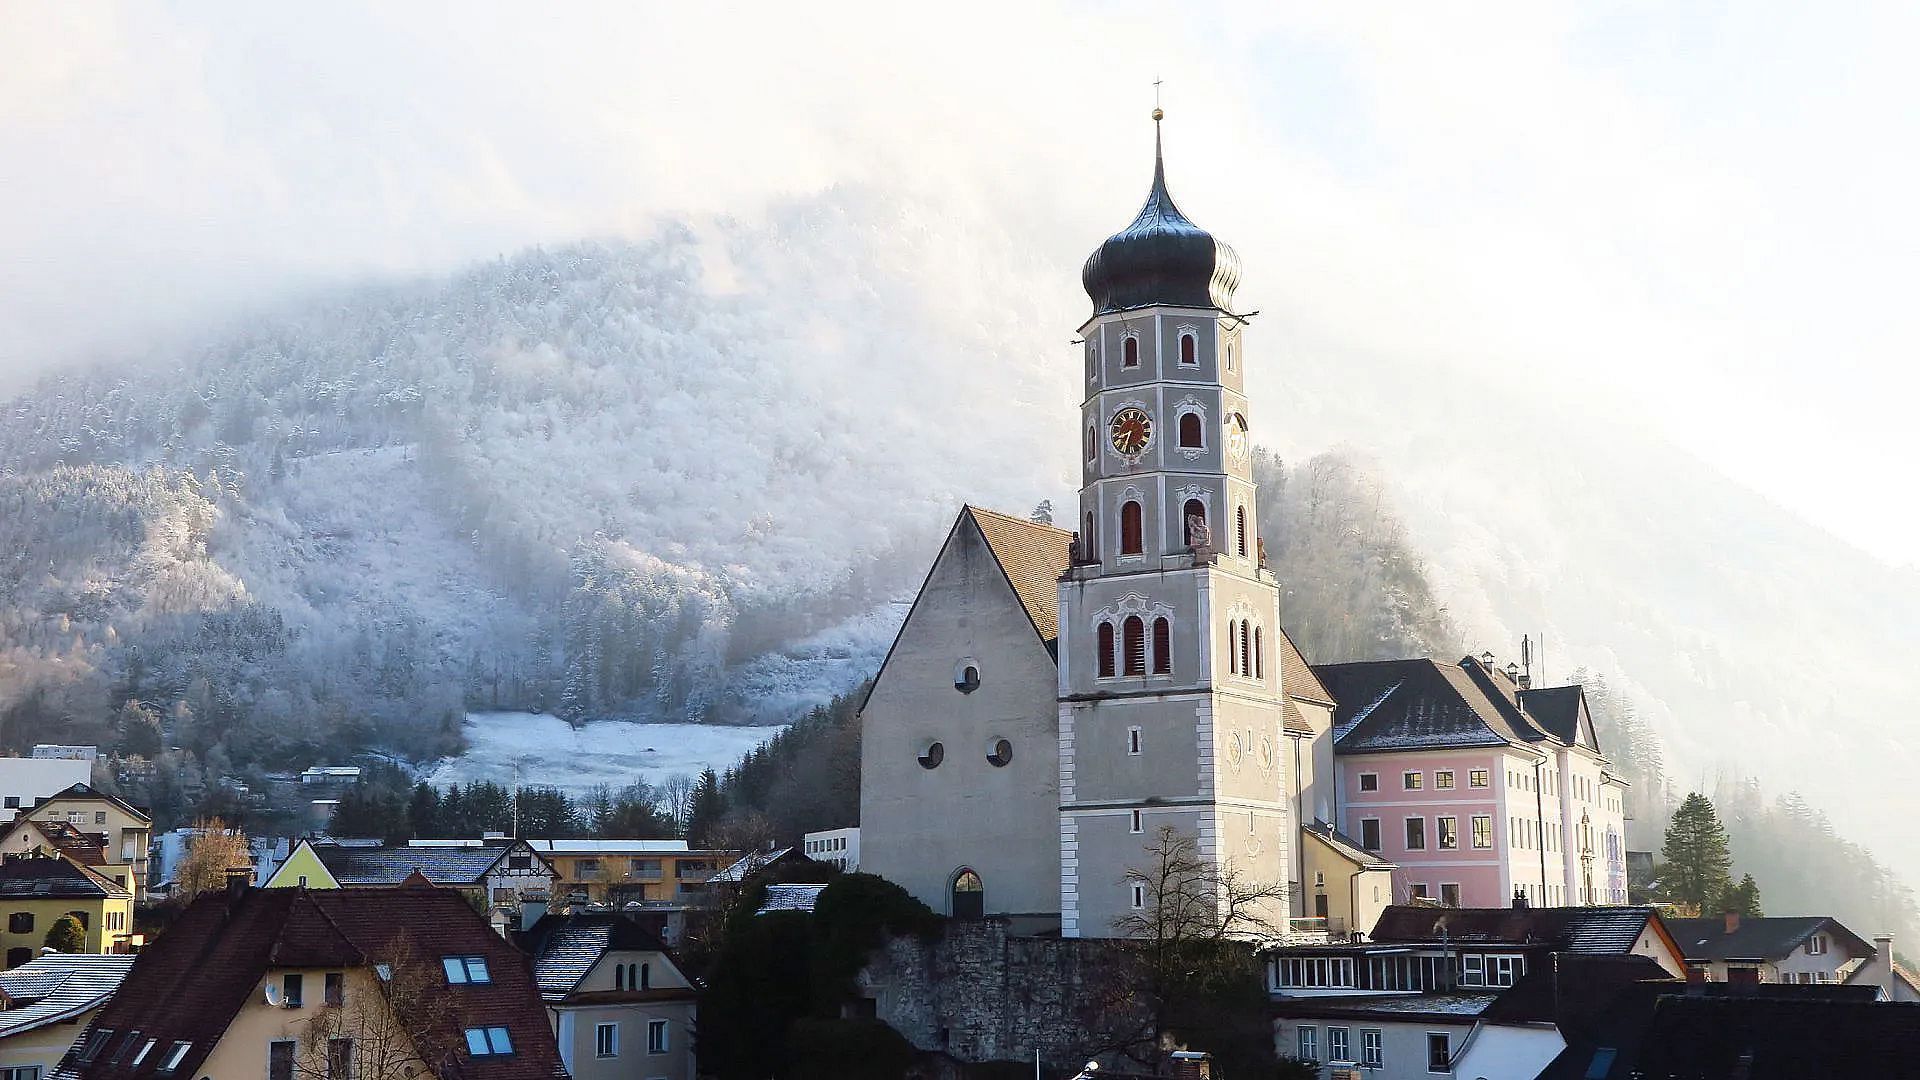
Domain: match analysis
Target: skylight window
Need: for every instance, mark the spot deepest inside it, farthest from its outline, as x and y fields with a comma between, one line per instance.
x=488, y=1041
x=466, y=969
x=175, y=1056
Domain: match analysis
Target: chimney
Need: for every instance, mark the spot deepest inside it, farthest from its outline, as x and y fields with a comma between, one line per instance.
x=1192, y=1065
x=1486, y=661
x=1883, y=952
x=1733, y=921
x=1520, y=901
x=1513, y=672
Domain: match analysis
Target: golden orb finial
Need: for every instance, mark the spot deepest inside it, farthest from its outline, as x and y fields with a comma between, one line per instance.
x=1157, y=115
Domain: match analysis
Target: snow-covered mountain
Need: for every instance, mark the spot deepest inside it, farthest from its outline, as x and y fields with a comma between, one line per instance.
x=685, y=477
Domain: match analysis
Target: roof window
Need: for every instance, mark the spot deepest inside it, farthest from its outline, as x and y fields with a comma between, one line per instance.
x=96, y=1042
x=174, y=1057
x=488, y=1041
x=466, y=970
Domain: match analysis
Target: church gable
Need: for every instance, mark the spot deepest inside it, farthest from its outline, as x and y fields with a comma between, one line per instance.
x=1025, y=561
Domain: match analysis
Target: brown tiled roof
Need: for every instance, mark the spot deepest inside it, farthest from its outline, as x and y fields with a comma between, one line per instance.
x=1296, y=675
x=62, y=837
x=1033, y=557
x=194, y=979
x=31, y=876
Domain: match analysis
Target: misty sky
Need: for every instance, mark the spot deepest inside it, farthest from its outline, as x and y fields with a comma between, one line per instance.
x=1696, y=218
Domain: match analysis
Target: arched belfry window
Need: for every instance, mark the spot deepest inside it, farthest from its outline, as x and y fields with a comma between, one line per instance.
x=1162, y=647
x=1192, y=433
x=1229, y=356
x=1195, y=522
x=1106, y=650
x=1133, y=634
x=969, y=896
x=1246, y=649
x=1189, y=349
x=1130, y=352
x=1090, y=540
x=1132, y=533
x=1093, y=443
x=1240, y=530
x=1233, y=647
x=1093, y=363
x=1259, y=663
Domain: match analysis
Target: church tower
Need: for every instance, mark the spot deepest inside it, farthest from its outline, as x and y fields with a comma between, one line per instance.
x=1170, y=705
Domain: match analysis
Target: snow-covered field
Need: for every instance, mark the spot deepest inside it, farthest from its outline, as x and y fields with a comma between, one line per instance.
x=550, y=753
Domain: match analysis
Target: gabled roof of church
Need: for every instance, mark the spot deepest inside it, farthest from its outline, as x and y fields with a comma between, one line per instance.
x=1033, y=556
x=1296, y=675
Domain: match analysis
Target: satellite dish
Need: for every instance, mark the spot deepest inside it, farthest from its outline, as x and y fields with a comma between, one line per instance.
x=273, y=995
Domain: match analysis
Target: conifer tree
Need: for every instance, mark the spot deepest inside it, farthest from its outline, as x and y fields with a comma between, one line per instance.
x=1744, y=899
x=705, y=809
x=1698, y=863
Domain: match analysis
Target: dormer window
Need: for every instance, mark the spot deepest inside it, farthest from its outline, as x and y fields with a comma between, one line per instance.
x=1130, y=351
x=466, y=970
x=1189, y=350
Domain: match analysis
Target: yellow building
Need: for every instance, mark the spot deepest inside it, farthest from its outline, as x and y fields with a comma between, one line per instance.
x=624, y=871
x=620, y=1005
x=282, y=984
x=123, y=830
x=46, y=1003
x=36, y=890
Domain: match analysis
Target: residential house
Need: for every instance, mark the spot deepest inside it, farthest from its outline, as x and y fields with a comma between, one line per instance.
x=45, y=1002
x=841, y=847
x=1895, y=981
x=1476, y=785
x=36, y=890
x=500, y=873
x=1348, y=886
x=25, y=836
x=1434, y=984
x=619, y=872
x=619, y=1003
x=1789, y=949
x=123, y=829
x=270, y=984
x=338, y=775
x=26, y=781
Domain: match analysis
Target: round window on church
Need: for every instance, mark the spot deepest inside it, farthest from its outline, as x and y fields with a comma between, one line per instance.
x=999, y=752
x=932, y=756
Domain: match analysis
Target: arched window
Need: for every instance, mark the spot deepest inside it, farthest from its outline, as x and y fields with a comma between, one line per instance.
x=1189, y=349
x=1093, y=443
x=1246, y=649
x=1106, y=650
x=1090, y=540
x=1191, y=436
x=1233, y=647
x=1162, y=647
x=969, y=896
x=620, y=976
x=1132, y=540
x=1229, y=356
x=1240, y=530
x=1133, y=633
x=1195, y=514
x=1259, y=662
x=646, y=977
x=1130, y=352
x=1093, y=368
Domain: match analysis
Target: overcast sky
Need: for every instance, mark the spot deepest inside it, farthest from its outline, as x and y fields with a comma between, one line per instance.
x=1699, y=217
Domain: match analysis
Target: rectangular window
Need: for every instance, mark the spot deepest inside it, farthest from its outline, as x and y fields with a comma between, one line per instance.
x=1473, y=969
x=1450, y=894
x=1503, y=970
x=1135, y=823
x=1369, y=781
x=649, y=869
x=1418, y=889
x=292, y=985
x=606, y=1040
x=20, y=922
x=13, y=802
x=280, y=1059
x=1339, y=1048
x=656, y=1036
x=587, y=868
x=466, y=969
x=1133, y=740
x=1416, y=834
x=175, y=1055
x=145, y=1049
x=339, y=1059
x=1443, y=779
x=21, y=1072
x=520, y=861
x=1308, y=1039
x=1817, y=945
x=1477, y=778
x=488, y=1041
x=1482, y=831
x=96, y=1042
x=1447, y=831
x=99, y=817
x=1373, y=1051
x=1412, y=781
x=1439, y=1052
x=1139, y=897
x=1370, y=833
x=336, y=989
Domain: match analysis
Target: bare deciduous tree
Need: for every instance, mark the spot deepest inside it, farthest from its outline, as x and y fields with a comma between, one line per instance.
x=386, y=1027
x=676, y=799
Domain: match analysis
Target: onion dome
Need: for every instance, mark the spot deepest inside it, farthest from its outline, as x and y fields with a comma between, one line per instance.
x=1162, y=258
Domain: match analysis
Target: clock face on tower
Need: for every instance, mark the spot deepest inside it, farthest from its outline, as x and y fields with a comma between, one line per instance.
x=1131, y=430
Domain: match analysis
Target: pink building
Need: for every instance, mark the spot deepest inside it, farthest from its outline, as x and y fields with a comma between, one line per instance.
x=1475, y=785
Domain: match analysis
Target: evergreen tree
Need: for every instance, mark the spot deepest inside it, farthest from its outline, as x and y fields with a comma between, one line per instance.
x=1698, y=862
x=708, y=807
x=67, y=935
x=423, y=810
x=1744, y=899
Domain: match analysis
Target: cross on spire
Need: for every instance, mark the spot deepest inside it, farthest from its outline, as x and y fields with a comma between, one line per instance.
x=1157, y=113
